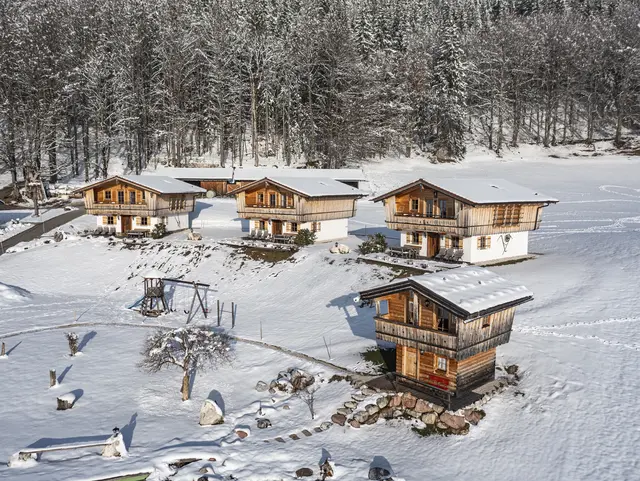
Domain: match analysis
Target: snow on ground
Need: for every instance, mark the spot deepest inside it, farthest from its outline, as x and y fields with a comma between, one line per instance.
x=576, y=343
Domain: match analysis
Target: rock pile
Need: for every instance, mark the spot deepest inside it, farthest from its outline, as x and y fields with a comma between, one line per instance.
x=404, y=406
x=289, y=381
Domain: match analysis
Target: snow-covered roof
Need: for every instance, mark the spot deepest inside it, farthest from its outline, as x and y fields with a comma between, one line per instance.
x=478, y=191
x=255, y=173
x=161, y=184
x=471, y=291
x=309, y=187
x=153, y=274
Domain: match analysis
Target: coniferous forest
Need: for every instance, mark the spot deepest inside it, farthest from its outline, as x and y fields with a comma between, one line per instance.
x=85, y=82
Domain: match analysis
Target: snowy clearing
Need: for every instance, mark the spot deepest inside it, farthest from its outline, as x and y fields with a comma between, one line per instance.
x=576, y=344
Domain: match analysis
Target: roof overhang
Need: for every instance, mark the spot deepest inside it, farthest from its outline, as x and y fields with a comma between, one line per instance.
x=270, y=181
x=119, y=178
x=410, y=284
x=424, y=183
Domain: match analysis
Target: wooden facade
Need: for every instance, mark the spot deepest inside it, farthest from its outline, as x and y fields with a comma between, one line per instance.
x=269, y=200
x=435, y=344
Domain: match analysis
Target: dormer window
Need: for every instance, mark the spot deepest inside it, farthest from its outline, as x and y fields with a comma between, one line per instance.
x=415, y=204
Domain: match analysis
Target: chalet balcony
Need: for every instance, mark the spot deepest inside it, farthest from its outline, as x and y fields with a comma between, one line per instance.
x=252, y=211
x=405, y=334
x=414, y=221
x=143, y=210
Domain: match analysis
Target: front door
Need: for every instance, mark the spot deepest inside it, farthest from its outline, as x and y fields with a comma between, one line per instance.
x=433, y=242
x=276, y=227
x=126, y=223
x=410, y=368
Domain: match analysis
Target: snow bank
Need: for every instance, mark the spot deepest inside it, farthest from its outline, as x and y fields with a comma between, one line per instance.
x=12, y=294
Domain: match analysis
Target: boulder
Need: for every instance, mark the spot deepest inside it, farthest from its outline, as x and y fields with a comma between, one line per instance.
x=371, y=408
x=116, y=447
x=304, y=473
x=423, y=406
x=379, y=474
x=354, y=424
x=473, y=416
x=262, y=386
x=398, y=413
x=367, y=391
x=339, y=419
x=386, y=413
x=264, y=423
x=438, y=409
x=513, y=369
x=414, y=414
x=429, y=418
x=344, y=411
x=358, y=397
x=242, y=433
x=351, y=404
x=284, y=385
x=442, y=426
x=361, y=416
x=409, y=401
x=396, y=400
x=382, y=402
x=453, y=421
x=210, y=413
x=372, y=419
x=326, y=425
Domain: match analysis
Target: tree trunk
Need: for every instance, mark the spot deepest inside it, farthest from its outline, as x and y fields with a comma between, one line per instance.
x=52, y=151
x=254, y=122
x=85, y=149
x=186, y=381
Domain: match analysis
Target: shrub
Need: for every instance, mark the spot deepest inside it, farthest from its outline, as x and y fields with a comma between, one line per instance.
x=374, y=243
x=159, y=230
x=305, y=237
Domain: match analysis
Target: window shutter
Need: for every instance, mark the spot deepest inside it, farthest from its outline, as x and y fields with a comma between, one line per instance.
x=139, y=220
x=488, y=242
x=420, y=238
x=138, y=196
x=479, y=243
x=104, y=220
x=100, y=196
x=408, y=237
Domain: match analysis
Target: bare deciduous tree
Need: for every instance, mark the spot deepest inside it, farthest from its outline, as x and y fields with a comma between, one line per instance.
x=189, y=348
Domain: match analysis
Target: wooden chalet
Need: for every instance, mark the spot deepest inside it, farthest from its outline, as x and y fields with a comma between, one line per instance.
x=487, y=220
x=285, y=205
x=446, y=325
x=136, y=203
x=225, y=180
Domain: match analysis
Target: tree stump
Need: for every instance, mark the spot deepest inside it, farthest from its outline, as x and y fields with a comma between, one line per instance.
x=3, y=351
x=53, y=380
x=66, y=401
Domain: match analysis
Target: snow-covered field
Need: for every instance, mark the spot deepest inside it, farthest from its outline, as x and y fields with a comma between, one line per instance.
x=577, y=344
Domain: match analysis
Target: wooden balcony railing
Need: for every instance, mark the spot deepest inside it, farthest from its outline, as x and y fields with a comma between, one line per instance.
x=408, y=335
x=270, y=206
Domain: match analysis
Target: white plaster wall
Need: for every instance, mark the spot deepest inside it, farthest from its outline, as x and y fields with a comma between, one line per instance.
x=517, y=246
x=423, y=246
x=330, y=230
x=136, y=226
x=172, y=222
x=118, y=224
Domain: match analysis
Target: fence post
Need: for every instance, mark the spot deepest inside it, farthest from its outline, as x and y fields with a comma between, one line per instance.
x=233, y=315
x=218, y=311
x=53, y=380
x=3, y=353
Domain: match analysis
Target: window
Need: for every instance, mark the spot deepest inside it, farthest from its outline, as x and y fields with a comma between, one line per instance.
x=263, y=225
x=107, y=195
x=412, y=313
x=382, y=308
x=144, y=195
x=272, y=200
x=315, y=226
x=430, y=208
x=456, y=242
x=121, y=197
x=415, y=204
x=132, y=197
x=506, y=215
x=294, y=226
x=144, y=221
x=283, y=200
x=414, y=238
x=443, y=208
x=111, y=220
x=484, y=242
x=261, y=198
x=443, y=320
x=442, y=364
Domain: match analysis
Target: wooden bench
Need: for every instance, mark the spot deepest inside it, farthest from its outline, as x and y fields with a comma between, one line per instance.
x=136, y=233
x=112, y=446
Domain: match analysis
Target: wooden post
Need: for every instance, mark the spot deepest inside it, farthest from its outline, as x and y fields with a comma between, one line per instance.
x=260, y=335
x=218, y=311
x=53, y=380
x=233, y=315
x=3, y=351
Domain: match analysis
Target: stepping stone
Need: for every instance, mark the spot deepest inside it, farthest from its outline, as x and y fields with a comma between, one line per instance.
x=306, y=432
x=295, y=437
x=280, y=440
x=318, y=430
x=358, y=397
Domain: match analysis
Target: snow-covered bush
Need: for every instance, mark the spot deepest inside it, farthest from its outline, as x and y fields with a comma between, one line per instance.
x=305, y=237
x=159, y=231
x=189, y=348
x=374, y=243
x=72, y=338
